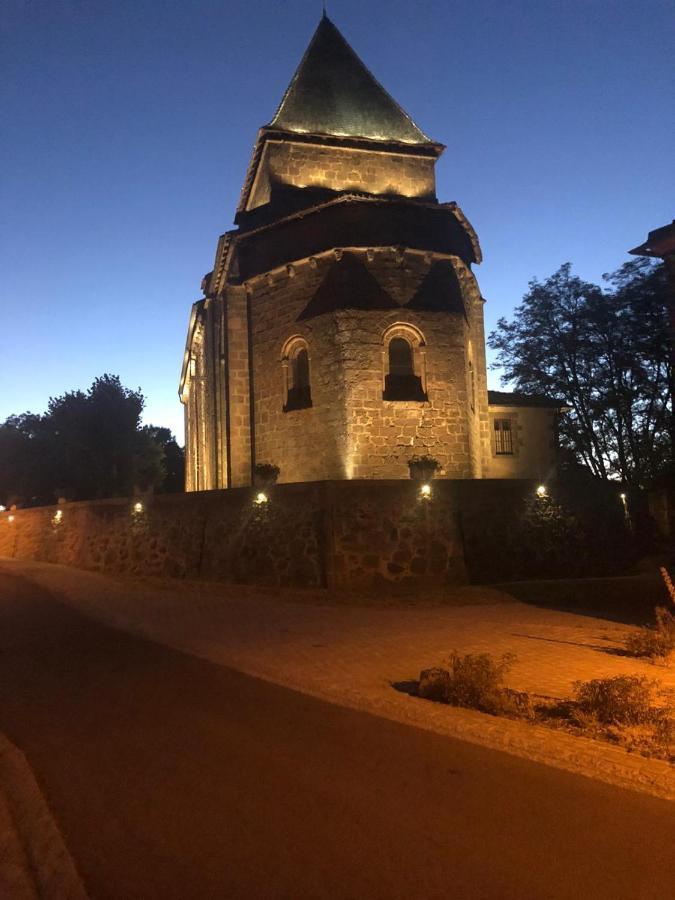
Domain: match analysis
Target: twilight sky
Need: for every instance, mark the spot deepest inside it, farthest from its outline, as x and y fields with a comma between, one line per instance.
x=128, y=126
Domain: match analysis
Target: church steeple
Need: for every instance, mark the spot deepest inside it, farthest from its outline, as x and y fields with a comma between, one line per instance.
x=334, y=93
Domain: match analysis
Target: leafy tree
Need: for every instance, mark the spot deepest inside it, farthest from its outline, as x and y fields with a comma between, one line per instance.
x=172, y=458
x=86, y=445
x=605, y=352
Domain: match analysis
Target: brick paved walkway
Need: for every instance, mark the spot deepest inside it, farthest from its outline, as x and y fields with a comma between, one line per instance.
x=352, y=655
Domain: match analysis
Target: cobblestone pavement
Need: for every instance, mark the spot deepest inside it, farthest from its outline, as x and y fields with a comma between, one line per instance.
x=353, y=655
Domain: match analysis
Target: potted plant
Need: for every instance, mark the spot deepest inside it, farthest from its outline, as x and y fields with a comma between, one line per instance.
x=423, y=468
x=265, y=474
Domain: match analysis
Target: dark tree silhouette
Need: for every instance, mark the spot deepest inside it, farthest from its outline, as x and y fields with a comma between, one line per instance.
x=606, y=353
x=86, y=445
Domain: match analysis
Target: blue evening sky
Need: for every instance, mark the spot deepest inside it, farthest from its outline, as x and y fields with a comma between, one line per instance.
x=128, y=126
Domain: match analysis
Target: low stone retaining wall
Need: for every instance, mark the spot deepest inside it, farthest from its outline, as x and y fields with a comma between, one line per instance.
x=347, y=535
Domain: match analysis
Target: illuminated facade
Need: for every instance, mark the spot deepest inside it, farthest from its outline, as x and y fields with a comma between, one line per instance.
x=341, y=329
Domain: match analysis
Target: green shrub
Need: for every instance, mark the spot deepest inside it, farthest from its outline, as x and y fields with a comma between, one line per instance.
x=655, y=642
x=621, y=700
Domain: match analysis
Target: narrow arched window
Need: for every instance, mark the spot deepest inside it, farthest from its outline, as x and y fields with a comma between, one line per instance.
x=400, y=358
x=401, y=381
x=301, y=372
x=298, y=386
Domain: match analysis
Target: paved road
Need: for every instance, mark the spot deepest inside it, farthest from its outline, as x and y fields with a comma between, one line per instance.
x=174, y=778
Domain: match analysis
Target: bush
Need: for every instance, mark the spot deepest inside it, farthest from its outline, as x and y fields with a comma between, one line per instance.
x=621, y=700
x=434, y=684
x=475, y=681
x=655, y=642
x=265, y=474
x=423, y=467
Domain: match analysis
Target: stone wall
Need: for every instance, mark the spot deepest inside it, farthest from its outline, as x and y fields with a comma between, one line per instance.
x=347, y=536
x=305, y=165
x=308, y=444
x=534, y=433
x=350, y=431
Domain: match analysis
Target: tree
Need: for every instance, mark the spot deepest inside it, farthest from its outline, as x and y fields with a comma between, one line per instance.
x=172, y=458
x=86, y=445
x=604, y=352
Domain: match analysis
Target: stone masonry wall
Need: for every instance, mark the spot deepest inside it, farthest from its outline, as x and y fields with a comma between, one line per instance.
x=307, y=444
x=534, y=444
x=384, y=434
x=350, y=431
x=347, y=536
x=306, y=165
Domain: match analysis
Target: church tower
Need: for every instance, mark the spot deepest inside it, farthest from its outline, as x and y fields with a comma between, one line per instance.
x=341, y=329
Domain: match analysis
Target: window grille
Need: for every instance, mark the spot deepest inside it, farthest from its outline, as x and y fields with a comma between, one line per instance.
x=503, y=437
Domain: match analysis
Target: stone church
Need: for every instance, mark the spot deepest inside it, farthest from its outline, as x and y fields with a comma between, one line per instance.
x=341, y=329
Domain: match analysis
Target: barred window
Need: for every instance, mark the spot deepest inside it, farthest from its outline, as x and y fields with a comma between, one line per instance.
x=503, y=437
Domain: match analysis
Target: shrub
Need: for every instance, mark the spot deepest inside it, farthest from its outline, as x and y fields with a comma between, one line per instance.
x=476, y=681
x=621, y=700
x=668, y=581
x=423, y=467
x=654, y=642
x=434, y=685
x=265, y=474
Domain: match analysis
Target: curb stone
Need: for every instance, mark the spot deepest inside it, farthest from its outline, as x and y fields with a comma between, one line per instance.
x=34, y=860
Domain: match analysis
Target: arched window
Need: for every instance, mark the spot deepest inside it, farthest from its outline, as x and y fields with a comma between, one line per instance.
x=297, y=386
x=404, y=364
x=400, y=358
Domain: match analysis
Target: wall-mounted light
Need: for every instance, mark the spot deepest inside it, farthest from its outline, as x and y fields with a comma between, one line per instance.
x=261, y=497
x=58, y=515
x=10, y=518
x=2, y=508
x=541, y=490
x=138, y=507
x=425, y=491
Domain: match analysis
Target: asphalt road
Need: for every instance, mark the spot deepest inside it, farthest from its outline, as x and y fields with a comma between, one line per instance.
x=171, y=777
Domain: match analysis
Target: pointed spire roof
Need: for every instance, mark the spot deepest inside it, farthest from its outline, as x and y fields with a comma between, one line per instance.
x=333, y=93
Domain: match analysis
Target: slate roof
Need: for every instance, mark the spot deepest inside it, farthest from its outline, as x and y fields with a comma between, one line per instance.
x=508, y=398
x=333, y=93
